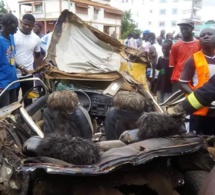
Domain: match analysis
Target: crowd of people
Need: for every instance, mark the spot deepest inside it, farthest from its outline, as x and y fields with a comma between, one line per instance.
x=182, y=63
x=22, y=50
x=158, y=71
x=178, y=63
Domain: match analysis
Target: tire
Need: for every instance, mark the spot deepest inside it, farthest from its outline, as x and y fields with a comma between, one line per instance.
x=194, y=181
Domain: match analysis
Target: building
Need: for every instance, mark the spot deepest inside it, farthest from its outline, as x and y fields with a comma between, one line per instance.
x=98, y=14
x=203, y=25
x=161, y=14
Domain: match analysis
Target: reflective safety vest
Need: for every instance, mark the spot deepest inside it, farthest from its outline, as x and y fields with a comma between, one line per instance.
x=203, y=74
x=194, y=102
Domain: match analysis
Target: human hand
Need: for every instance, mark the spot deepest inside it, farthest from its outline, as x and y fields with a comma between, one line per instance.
x=24, y=71
x=177, y=109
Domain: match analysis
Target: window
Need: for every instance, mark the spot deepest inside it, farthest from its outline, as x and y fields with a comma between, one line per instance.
x=81, y=9
x=174, y=11
x=96, y=10
x=38, y=8
x=162, y=11
x=174, y=23
x=162, y=24
x=196, y=2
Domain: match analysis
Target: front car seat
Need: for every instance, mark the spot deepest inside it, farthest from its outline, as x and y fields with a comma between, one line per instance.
x=75, y=123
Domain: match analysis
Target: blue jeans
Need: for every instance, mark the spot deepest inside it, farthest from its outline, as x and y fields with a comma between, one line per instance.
x=8, y=98
x=162, y=96
x=25, y=87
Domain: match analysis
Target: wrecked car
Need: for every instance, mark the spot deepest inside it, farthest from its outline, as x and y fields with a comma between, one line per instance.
x=175, y=164
x=96, y=67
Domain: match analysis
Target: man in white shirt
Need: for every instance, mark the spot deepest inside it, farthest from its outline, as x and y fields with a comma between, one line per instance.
x=131, y=41
x=27, y=52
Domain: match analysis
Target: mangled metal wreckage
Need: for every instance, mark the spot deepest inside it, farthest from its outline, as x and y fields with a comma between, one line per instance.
x=84, y=60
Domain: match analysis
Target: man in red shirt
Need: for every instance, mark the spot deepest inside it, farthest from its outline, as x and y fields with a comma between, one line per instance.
x=181, y=51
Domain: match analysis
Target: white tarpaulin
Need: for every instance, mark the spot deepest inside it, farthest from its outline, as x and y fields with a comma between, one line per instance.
x=79, y=51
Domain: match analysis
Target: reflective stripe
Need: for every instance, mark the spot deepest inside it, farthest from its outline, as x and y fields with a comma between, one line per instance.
x=194, y=102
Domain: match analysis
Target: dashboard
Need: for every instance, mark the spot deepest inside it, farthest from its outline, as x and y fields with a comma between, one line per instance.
x=96, y=103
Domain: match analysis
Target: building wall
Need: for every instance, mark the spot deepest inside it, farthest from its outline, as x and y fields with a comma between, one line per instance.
x=156, y=15
x=97, y=17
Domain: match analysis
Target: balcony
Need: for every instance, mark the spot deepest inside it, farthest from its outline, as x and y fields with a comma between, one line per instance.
x=47, y=15
x=39, y=15
x=197, y=4
x=197, y=7
x=187, y=11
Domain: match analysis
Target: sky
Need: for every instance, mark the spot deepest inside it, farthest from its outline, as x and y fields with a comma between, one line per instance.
x=207, y=13
x=208, y=10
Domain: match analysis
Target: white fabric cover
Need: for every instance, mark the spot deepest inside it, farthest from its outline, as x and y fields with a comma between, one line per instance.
x=79, y=51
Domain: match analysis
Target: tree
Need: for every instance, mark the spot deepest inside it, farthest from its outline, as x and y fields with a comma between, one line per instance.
x=2, y=8
x=128, y=24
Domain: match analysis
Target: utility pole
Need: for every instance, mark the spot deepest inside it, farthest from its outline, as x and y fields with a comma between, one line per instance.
x=60, y=5
x=191, y=16
x=68, y=4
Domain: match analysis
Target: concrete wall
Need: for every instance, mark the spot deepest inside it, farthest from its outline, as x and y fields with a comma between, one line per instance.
x=146, y=13
x=51, y=11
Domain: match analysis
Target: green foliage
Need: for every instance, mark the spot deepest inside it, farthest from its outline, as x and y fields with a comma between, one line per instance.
x=128, y=24
x=2, y=8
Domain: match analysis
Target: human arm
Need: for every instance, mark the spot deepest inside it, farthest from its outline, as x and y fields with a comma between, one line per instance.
x=173, y=56
x=159, y=40
x=159, y=64
x=1, y=53
x=153, y=57
x=187, y=75
x=45, y=41
x=37, y=55
x=199, y=98
x=37, y=59
x=22, y=69
x=185, y=88
x=206, y=93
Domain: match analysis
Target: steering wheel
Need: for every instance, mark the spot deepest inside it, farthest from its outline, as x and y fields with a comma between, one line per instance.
x=84, y=99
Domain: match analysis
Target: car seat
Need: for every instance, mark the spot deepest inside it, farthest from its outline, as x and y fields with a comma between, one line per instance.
x=77, y=123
